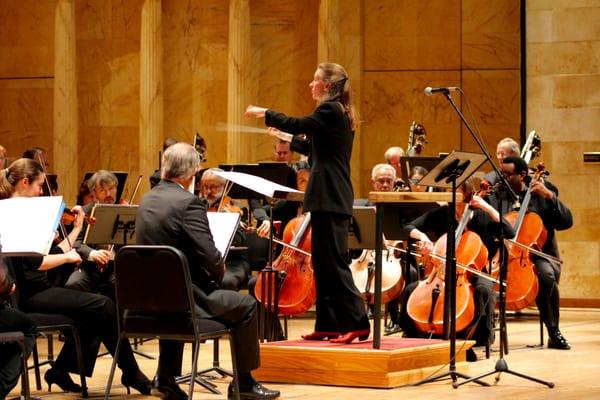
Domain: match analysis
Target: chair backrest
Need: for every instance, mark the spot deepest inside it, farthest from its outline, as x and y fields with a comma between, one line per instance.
x=153, y=279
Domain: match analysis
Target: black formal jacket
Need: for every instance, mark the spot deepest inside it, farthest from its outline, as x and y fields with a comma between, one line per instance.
x=170, y=215
x=328, y=128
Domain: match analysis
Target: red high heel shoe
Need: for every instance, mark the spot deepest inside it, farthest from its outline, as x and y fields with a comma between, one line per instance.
x=318, y=335
x=348, y=337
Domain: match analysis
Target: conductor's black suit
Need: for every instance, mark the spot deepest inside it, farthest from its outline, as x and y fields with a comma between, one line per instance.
x=170, y=215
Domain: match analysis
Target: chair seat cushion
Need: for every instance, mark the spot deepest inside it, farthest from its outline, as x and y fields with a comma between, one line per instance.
x=11, y=337
x=157, y=325
x=43, y=320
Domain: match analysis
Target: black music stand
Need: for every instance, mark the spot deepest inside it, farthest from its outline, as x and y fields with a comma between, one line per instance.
x=501, y=365
x=452, y=172
x=427, y=162
x=115, y=225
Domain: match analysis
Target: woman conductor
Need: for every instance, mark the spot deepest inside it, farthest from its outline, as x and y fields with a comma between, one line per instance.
x=341, y=315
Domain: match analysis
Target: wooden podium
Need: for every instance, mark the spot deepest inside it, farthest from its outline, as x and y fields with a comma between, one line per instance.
x=382, y=200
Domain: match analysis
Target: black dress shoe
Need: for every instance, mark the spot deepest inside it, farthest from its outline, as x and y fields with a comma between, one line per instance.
x=62, y=380
x=557, y=341
x=136, y=380
x=256, y=392
x=167, y=389
x=392, y=328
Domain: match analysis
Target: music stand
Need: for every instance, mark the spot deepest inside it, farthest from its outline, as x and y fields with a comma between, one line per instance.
x=408, y=163
x=115, y=224
x=276, y=172
x=452, y=172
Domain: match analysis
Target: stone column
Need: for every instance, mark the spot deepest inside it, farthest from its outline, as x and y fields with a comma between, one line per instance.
x=329, y=31
x=241, y=147
x=151, y=89
x=66, y=124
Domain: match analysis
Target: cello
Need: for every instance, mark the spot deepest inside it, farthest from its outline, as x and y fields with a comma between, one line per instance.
x=522, y=282
x=425, y=305
x=363, y=274
x=297, y=291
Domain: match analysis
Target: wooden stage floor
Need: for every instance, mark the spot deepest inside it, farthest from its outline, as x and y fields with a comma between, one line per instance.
x=575, y=372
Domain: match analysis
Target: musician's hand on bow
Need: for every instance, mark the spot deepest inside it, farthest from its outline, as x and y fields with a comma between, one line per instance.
x=255, y=111
x=100, y=257
x=73, y=257
x=264, y=229
x=80, y=214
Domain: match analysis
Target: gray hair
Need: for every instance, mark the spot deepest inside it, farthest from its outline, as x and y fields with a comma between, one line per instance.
x=180, y=160
x=209, y=173
x=101, y=177
x=512, y=144
x=379, y=167
x=391, y=151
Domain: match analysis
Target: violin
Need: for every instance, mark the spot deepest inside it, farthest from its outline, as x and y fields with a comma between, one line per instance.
x=226, y=204
x=69, y=217
x=298, y=291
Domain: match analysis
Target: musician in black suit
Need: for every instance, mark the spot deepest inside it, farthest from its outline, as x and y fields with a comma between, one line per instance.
x=170, y=215
x=556, y=216
x=341, y=315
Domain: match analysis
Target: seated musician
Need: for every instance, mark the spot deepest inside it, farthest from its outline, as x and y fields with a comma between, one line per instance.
x=170, y=215
x=486, y=223
x=96, y=273
x=392, y=156
x=383, y=179
x=94, y=314
x=12, y=320
x=416, y=174
x=555, y=216
x=155, y=178
x=237, y=269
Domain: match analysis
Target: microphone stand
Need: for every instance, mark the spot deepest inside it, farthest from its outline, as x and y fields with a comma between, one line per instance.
x=501, y=365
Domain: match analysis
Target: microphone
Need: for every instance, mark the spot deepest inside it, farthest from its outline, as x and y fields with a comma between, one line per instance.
x=429, y=90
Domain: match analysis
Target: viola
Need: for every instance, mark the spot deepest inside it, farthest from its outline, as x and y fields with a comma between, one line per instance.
x=298, y=291
x=363, y=274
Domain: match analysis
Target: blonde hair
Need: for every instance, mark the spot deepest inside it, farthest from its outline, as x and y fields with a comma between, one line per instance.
x=340, y=90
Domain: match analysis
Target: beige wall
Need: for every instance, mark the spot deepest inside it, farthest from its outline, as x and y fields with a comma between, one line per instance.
x=392, y=48
x=563, y=105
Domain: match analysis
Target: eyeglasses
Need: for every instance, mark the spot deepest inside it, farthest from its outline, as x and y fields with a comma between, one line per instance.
x=213, y=187
x=383, y=181
x=508, y=174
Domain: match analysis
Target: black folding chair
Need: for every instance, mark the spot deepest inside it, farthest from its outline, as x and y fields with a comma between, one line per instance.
x=19, y=339
x=154, y=299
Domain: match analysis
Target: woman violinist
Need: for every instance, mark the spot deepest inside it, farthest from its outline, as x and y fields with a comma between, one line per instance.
x=93, y=313
x=555, y=216
x=486, y=223
x=341, y=315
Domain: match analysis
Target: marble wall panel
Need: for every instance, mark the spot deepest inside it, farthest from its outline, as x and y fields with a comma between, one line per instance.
x=490, y=34
x=576, y=91
x=413, y=35
x=576, y=24
x=563, y=58
x=580, y=273
x=27, y=38
x=558, y=4
x=26, y=115
x=495, y=100
x=539, y=26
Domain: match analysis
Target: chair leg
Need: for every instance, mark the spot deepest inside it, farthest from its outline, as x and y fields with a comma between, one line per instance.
x=24, y=376
x=111, y=375
x=36, y=367
x=236, y=381
x=194, y=368
x=541, y=332
x=216, y=365
x=77, y=340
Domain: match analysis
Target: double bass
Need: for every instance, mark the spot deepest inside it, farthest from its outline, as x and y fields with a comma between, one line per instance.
x=297, y=291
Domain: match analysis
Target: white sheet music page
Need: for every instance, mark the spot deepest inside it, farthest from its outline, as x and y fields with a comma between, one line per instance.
x=28, y=224
x=256, y=183
x=223, y=226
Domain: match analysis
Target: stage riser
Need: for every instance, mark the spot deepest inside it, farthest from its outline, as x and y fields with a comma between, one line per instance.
x=342, y=366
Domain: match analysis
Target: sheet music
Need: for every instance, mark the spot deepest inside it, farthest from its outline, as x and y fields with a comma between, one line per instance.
x=222, y=227
x=258, y=184
x=28, y=224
